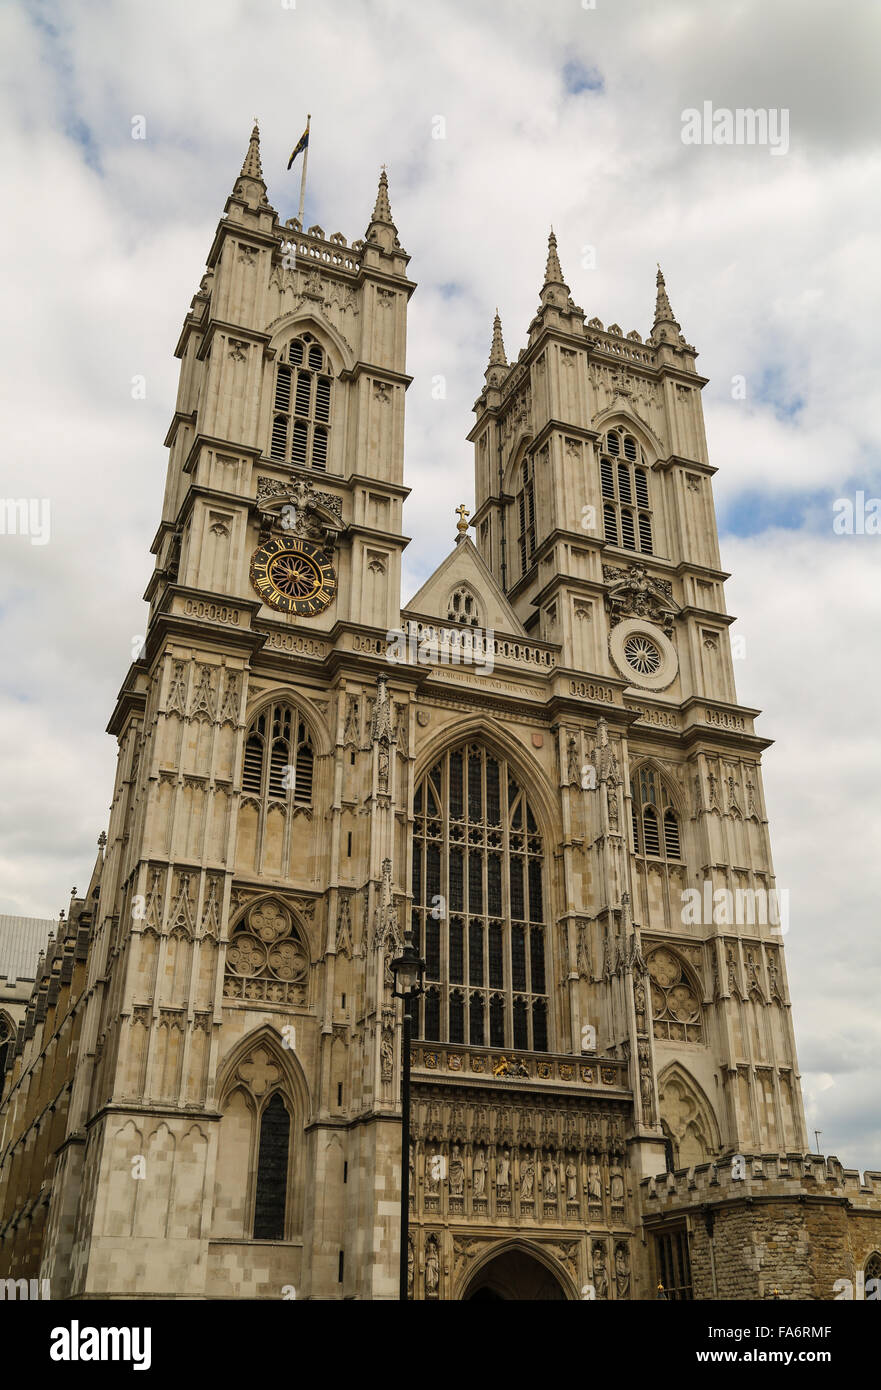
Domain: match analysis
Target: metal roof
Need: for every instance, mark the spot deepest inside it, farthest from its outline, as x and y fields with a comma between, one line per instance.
x=21, y=941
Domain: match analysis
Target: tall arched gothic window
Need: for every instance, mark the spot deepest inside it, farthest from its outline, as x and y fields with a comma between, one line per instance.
x=271, y=1184
x=526, y=515
x=301, y=405
x=279, y=760
x=627, y=515
x=655, y=823
x=479, y=905
x=256, y=1195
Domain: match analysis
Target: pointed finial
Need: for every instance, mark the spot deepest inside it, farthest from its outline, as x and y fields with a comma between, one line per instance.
x=497, y=356
x=663, y=310
x=553, y=270
x=102, y=840
x=462, y=525
x=252, y=168
x=382, y=211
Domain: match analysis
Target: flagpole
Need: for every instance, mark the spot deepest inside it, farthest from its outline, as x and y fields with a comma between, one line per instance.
x=303, y=175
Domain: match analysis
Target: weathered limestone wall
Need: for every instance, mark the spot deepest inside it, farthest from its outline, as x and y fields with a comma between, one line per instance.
x=797, y=1224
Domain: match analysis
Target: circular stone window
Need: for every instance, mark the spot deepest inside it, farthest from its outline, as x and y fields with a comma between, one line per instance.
x=643, y=654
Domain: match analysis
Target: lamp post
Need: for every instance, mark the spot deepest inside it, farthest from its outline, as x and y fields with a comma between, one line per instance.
x=408, y=970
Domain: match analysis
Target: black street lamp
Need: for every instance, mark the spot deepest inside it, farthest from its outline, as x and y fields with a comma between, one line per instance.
x=408, y=970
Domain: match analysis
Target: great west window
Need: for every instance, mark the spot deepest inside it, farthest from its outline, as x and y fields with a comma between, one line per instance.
x=479, y=905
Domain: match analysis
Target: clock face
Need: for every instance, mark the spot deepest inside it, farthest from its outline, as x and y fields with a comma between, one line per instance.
x=293, y=576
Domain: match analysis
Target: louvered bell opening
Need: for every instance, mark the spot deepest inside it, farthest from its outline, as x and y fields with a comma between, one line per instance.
x=283, y=389
x=279, y=760
x=278, y=447
x=319, y=450
x=303, y=777
x=671, y=836
x=651, y=832
x=610, y=525
x=295, y=353
x=613, y=445
x=628, y=534
x=322, y=401
x=607, y=480
x=635, y=825
x=630, y=451
x=299, y=446
x=624, y=483
x=304, y=392
x=645, y=534
x=316, y=358
x=642, y=487
x=253, y=765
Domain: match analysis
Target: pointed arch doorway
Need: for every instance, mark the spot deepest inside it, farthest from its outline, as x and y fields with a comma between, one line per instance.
x=512, y=1275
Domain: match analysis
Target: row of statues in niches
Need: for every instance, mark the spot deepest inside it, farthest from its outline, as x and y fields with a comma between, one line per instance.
x=535, y=1175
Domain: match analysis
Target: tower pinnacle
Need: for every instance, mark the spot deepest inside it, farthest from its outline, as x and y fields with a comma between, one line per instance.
x=251, y=167
x=663, y=312
x=249, y=186
x=553, y=269
x=497, y=356
x=382, y=211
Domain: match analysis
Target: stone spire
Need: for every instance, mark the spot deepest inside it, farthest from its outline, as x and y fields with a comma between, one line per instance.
x=553, y=270
x=382, y=230
x=249, y=186
x=497, y=367
x=252, y=168
x=497, y=356
x=554, y=291
x=382, y=210
x=664, y=320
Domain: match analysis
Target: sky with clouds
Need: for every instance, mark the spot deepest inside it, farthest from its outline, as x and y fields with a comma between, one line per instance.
x=552, y=111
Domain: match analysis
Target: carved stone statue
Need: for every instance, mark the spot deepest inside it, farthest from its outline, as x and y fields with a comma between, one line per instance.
x=387, y=1054
x=573, y=771
x=412, y=1167
x=503, y=1171
x=411, y=1266
x=549, y=1172
x=594, y=1183
x=479, y=1177
x=571, y=1182
x=432, y=1172
x=622, y=1270
x=600, y=1274
x=646, y=1091
x=457, y=1172
x=639, y=1002
x=527, y=1179
x=616, y=1185
x=432, y=1266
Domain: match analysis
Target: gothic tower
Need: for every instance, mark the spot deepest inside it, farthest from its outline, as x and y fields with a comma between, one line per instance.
x=257, y=826
x=594, y=510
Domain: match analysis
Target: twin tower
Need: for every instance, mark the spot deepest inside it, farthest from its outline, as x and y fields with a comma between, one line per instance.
x=550, y=784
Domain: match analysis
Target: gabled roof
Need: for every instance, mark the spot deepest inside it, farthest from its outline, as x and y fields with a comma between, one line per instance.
x=464, y=566
x=21, y=941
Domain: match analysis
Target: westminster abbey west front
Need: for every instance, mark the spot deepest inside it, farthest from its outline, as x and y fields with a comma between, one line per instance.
x=533, y=767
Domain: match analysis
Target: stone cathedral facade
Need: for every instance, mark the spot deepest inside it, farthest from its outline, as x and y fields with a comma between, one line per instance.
x=538, y=767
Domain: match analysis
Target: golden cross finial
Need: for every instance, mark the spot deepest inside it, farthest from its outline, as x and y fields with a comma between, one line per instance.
x=462, y=525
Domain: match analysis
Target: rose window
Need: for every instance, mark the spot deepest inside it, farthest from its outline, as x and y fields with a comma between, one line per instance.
x=642, y=654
